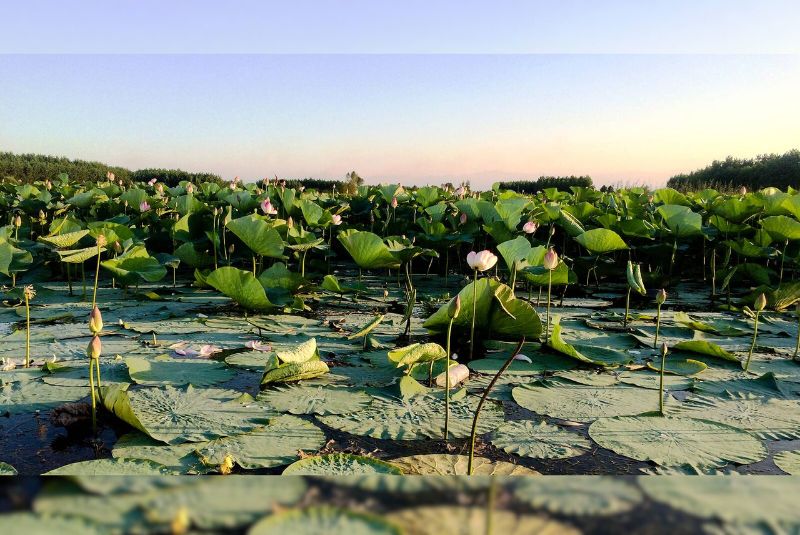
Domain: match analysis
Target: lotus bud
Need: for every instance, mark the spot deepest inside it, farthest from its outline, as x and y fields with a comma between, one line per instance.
x=144, y=206
x=481, y=261
x=94, y=348
x=551, y=259
x=95, y=321
x=230, y=249
x=101, y=240
x=117, y=247
x=661, y=296
x=760, y=302
x=743, y=191
x=458, y=373
x=336, y=220
x=160, y=189
x=17, y=221
x=290, y=222
x=42, y=215
x=190, y=188
x=664, y=349
x=29, y=292
x=530, y=227
x=394, y=202
x=125, y=204
x=48, y=185
x=110, y=176
x=454, y=307
x=385, y=294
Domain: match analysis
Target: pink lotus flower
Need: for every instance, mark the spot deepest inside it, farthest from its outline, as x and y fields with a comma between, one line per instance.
x=152, y=182
x=463, y=218
x=267, y=208
x=144, y=206
x=256, y=345
x=160, y=189
x=523, y=358
x=460, y=191
x=110, y=176
x=394, y=202
x=481, y=261
x=336, y=220
x=530, y=227
x=205, y=351
x=551, y=259
x=189, y=188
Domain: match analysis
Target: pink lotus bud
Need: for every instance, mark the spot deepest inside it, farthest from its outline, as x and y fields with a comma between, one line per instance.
x=760, y=303
x=190, y=188
x=267, y=208
x=551, y=259
x=95, y=321
x=290, y=222
x=481, y=261
x=144, y=206
x=661, y=296
x=463, y=218
x=152, y=182
x=529, y=227
x=394, y=202
x=94, y=348
x=336, y=220
x=454, y=307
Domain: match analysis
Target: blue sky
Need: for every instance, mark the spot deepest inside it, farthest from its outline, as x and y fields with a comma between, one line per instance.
x=404, y=116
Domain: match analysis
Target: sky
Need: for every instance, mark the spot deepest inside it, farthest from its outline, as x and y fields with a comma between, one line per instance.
x=453, y=95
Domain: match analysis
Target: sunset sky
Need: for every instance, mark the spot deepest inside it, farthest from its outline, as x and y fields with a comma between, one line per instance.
x=520, y=111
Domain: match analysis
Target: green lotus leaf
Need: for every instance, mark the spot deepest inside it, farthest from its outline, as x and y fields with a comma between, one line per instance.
x=788, y=461
x=599, y=356
x=601, y=240
x=134, y=265
x=165, y=370
x=35, y=524
x=440, y=464
x=62, y=241
x=332, y=284
x=367, y=249
x=318, y=519
x=539, y=441
x=7, y=470
x=515, y=252
x=434, y=519
x=583, y=403
x=676, y=442
x=368, y=328
x=241, y=286
x=679, y=366
x=184, y=414
x=782, y=227
x=579, y=495
x=258, y=235
x=681, y=220
x=409, y=355
x=300, y=353
x=189, y=255
x=279, y=276
x=315, y=399
x=180, y=458
x=340, y=464
x=703, y=347
x=542, y=362
x=112, y=467
x=294, y=371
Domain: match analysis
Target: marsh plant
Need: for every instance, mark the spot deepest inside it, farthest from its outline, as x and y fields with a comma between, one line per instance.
x=661, y=379
x=758, y=306
x=452, y=312
x=93, y=352
x=28, y=293
x=550, y=264
x=661, y=298
x=478, y=262
x=633, y=274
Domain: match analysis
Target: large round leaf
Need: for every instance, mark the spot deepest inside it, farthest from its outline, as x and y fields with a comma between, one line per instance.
x=315, y=399
x=165, y=370
x=258, y=235
x=583, y=403
x=579, y=495
x=439, y=464
x=601, y=240
x=462, y=520
x=340, y=464
x=677, y=442
x=782, y=227
x=316, y=520
x=241, y=286
x=540, y=441
x=367, y=249
x=788, y=461
x=112, y=467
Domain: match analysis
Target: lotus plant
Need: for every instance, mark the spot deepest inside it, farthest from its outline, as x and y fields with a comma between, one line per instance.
x=661, y=298
x=759, y=305
x=550, y=263
x=93, y=351
x=452, y=312
x=28, y=293
x=481, y=261
x=635, y=282
x=661, y=379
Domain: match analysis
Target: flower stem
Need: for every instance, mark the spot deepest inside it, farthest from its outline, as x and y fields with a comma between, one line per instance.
x=494, y=380
x=627, y=307
x=549, y=291
x=752, y=345
x=474, y=311
x=661, y=384
x=96, y=279
x=27, y=331
x=94, y=400
x=447, y=383
x=658, y=324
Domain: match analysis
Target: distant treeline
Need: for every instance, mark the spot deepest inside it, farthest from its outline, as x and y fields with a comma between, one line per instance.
x=27, y=168
x=562, y=183
x=776, y=170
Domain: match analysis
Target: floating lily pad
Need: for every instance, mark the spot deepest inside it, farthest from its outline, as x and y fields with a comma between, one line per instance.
x=180, y=458
x=582, y=403
x=315, y=399
x=35, y=524
x=589, y=377
x=112, y=467
x=765, y=385
x=590, y=354
x=276, y=444
x=542, y=362
x=765, y=417
x=7, y=470
x=184, y=414
x=703, y=347
x=251, y=360
x=456, y=465
x=579, y=495
x=34, y=395
x=676, y=442
x=539, y=441
x=679, y=366
x=415, y=418
x=340, y=464
x=438, y=519
x=788, y=461
x=316, y=520
x=164, y=370
x=76, y=373
x=652, y=381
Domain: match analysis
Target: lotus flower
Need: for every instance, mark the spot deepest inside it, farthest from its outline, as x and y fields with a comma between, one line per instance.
x=160, y=189
x=454, y=308
x=551, y=259
x=110, y=176
x=189, y=188
x=530, y=227
x=144, y=206
x=463, y=218
x=95, y=321
x=458, y=373
x=267, y=208
x=481, y=261
x=460, y=192
x=336, y=220
x=152, y=182
x=661, y=296
x=94, y=348
x=394, y=202
x=256, y=345
x=205, y=351
x=523, y=358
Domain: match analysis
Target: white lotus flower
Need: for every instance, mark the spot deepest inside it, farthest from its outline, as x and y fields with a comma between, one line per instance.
x=458, y=373
x=530, y=227
x=481, y=261
x=257, y=345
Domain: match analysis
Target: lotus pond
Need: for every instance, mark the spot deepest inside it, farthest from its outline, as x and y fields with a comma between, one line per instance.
x=380, y=332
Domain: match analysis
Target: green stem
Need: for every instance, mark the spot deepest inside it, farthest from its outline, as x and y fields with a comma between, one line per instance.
x=474, y=311
x=27, y=332
x=494, y=380
x=94, y=400
x=96, y=279
x=661, y=384
x=797, y=346
x=490, y=503
x=752, y=345
x=627, y=307
x=447, y=383
x=658, y=323
x=303, y=264
x=783, y=255
x=549, y=291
